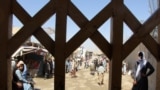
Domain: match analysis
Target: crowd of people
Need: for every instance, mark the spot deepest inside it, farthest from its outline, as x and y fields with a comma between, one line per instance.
x=97, y=66
x=101, y=64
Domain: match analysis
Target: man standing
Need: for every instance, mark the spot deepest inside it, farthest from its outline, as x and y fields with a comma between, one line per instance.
x=101, y=71
x=140, y=73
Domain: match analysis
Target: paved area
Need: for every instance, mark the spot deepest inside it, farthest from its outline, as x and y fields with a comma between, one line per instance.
x=83, y=81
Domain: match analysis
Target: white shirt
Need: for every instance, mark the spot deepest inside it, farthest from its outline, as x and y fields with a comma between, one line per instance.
x=141, y=64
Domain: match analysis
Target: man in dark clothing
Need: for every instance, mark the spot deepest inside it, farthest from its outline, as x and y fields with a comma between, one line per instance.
x=140, y=73
x=46, y=69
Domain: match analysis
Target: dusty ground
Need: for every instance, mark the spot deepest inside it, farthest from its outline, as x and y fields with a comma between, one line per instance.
x=84, y=81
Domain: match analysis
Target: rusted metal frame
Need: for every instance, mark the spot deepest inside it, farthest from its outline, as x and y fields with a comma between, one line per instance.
x=40, y=34
x=29, y=28
x=92, y=32
x=5, y=34
x=60, y=43
x=137, y=39
x=117, y=46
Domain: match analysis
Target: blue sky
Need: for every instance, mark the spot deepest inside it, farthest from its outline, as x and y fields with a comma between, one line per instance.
x=140, y=8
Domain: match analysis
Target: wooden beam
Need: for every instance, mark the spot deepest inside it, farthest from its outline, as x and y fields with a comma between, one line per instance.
x=142, y=33
x=39, y=33
x=117, y=44
x=5, y=34
x=45, y=40
x=134, y=25
x=88, y=28
x=152, y=46
x=102, y=43
x=117, y=1
x=30, y=27
x=60, y=44
x=158, y=59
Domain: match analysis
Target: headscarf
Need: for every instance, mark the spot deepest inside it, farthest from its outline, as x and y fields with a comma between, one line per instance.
x=142, y=62
x=20, y=63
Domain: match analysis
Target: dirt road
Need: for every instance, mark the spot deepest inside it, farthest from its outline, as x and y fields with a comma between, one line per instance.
x=83, y=81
